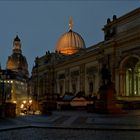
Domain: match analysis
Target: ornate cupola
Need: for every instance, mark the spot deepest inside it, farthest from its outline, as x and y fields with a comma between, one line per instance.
x=17, y=62
x=70, y=42
x=17, y=45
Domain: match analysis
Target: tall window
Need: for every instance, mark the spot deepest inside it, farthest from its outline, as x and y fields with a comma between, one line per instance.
x=137, y=79
x=132, y=77
x=73, y=88
x=129, y=80
x=61, y=90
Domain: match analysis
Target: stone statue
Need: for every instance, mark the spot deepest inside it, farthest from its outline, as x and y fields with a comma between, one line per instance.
x=106, y=75
x=106, y=102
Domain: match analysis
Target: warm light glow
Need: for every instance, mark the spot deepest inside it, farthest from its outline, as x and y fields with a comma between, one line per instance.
x=70, y=43
x=14, y=102
x=68, y=51
x=30, y=101
x=24, y=101
x=22, y=106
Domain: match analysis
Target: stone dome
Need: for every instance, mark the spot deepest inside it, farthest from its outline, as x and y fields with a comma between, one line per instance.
x=70, y=42
x=16, y=61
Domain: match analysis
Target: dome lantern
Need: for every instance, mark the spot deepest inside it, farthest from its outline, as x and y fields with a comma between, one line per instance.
x=17, y=45
x=17, y=38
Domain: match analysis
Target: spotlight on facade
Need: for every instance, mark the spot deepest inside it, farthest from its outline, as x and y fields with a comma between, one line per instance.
x=14, y=102
x=30, y=101
x=24, y=101
x=22, y=106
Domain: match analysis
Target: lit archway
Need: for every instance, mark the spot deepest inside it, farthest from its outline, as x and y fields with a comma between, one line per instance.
x=130, y=76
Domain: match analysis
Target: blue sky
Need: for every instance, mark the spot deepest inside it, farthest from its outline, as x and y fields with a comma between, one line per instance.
x=39, y=24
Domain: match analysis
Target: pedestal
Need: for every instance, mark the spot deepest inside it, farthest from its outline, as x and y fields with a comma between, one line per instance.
x=107, y=103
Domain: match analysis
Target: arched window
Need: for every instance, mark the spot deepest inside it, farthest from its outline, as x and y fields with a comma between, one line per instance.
x=137, y=79
x=131, y=77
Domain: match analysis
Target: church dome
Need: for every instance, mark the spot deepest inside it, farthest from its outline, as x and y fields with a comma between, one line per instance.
x=17, y=62
x=70, y=42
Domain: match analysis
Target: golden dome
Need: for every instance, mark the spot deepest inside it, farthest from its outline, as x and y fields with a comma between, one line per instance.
x=70, y=42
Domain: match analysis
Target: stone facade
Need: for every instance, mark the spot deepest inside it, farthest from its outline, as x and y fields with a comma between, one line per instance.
x=14, y=79
x=57, y=74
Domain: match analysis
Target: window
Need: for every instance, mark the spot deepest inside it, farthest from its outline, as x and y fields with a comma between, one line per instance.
x=132, y=77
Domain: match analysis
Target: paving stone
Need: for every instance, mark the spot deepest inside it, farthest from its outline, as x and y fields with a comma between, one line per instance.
x=72, y=125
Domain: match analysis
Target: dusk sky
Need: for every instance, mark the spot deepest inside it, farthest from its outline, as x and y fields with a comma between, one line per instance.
x=39, y=24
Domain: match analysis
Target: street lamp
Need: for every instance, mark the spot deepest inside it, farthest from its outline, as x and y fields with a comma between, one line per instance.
x=26, y=106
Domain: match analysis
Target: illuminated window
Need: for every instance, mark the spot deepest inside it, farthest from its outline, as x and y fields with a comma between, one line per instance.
x=132, y=78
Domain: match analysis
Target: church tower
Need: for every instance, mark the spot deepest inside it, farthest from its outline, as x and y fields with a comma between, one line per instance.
x=17, y=62
x=17, y=45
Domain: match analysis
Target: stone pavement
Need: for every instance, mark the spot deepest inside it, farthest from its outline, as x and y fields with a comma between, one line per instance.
x=76, y=125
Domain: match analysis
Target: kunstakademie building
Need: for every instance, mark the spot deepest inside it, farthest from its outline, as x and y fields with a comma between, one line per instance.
x=76, y=69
